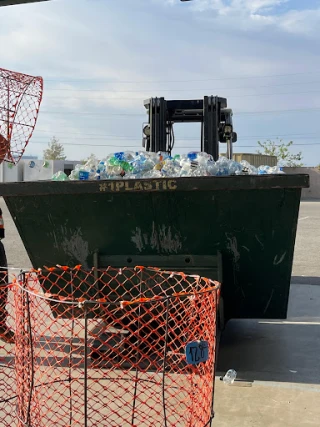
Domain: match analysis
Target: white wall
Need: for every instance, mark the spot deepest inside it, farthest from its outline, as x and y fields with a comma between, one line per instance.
x=43, y=170
x=34, y=169
x=10, y=172
x=312, y=193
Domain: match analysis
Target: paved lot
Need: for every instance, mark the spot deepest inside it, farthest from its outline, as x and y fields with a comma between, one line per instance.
x=16, y=253
x=307, y=254
x=278, y=362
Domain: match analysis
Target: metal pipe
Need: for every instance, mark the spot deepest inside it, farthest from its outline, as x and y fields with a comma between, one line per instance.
x=229, y=149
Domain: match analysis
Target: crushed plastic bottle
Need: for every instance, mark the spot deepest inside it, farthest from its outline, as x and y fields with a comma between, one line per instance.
x=247, y=169
x=142, y=164
x=60, y=176
x=230, y=377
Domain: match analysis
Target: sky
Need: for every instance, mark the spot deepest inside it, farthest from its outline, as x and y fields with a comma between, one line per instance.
x=100, y=59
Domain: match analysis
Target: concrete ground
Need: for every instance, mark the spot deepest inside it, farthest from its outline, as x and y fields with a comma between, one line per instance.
x=307, y=257
x=278, y=362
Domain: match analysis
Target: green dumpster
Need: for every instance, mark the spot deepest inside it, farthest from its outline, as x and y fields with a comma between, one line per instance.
x=237, y=229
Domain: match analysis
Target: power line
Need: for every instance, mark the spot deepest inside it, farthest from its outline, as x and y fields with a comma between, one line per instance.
x=92, y=113
x=240, y=113
x=130, y=136
x=300, y=110
x=279, y=145
x=134, y=146
x=126, y=138
x=171, y=90
x=231, y=96
x=184, y=81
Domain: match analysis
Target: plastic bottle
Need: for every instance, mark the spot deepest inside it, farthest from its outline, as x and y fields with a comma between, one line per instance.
x=74, y=176
x=84, y=175
x=247, y=168
x=276, y=170
x=230, y=377
x=222, y=166
x=234, y=167
x=60, y=176
x=263, y=170
x=185, y=165
x=170, y=168
x=143, y=164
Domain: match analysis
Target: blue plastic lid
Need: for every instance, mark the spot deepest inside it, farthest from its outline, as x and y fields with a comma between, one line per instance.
x=192, y=156
x=83, y=175
x=119, y=156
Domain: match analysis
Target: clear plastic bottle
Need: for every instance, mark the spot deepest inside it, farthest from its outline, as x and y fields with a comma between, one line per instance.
x=74, y=176
x=248, y=169
x=263, y=170
x=222, y=165
x=143, y=164
x=230, y=377
x=170, y=168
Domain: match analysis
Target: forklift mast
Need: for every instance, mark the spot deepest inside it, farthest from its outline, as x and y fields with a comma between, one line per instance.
x=211, y=112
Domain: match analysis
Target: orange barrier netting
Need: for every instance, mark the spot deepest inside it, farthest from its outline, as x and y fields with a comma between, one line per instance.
x=114, y=347
x=8, y=386
x=20, y=99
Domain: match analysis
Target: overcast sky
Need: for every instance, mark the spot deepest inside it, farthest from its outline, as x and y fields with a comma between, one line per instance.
x=101, y=58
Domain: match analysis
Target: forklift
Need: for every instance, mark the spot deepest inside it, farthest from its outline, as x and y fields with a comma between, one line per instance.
x=211, y=112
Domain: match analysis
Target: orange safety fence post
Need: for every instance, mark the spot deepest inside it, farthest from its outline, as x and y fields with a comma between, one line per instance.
x=114, y=347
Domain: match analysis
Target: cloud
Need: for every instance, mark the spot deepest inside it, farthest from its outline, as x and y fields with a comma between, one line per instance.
x=151, y=48
x=260, y=14
x=257, y=6
x=304, y=22
x=224, y=7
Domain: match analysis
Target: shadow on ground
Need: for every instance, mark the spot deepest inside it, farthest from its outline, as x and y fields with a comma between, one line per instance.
x=281, y=351
x=277, y=350
x=305, y=280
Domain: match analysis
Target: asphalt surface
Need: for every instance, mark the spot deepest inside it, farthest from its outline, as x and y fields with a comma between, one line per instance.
x=16, y=254
x=307, y=254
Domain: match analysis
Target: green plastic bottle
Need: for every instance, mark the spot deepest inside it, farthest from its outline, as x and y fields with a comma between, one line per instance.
x=60, y=176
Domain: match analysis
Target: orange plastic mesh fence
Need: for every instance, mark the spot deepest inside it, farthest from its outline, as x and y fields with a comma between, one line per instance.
x=113, y=347
x=8, y=386
x=20, y=98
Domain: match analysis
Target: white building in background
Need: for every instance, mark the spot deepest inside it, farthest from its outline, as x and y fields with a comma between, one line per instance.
x=10, y=172
x=34, y=169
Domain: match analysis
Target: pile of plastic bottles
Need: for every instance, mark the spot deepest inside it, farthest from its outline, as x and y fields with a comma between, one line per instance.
x=141, y=164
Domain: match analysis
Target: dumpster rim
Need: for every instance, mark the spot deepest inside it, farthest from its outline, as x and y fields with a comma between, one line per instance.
x=221, y=183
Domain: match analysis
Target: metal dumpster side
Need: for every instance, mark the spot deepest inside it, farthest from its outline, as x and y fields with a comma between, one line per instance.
x=175, y=223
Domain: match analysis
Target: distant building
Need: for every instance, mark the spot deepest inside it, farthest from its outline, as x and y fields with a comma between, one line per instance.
x=29, y=157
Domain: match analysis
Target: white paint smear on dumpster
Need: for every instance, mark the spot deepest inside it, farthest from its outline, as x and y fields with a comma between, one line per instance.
x=137, y=239
x=74, y=245
x=233, y=247
x=277, y=261
x=269, y=301
x=160, y=237
x=259, y=241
